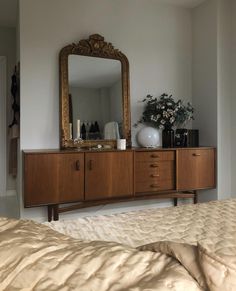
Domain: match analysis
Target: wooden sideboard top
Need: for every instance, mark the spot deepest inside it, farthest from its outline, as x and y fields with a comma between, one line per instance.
x=82, y=150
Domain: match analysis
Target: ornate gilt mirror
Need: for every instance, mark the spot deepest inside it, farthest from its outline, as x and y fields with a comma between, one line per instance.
x=94, y=94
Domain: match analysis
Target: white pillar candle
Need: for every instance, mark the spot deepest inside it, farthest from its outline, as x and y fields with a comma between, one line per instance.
x=70, y=129
x=121, y=144
x=78, y=128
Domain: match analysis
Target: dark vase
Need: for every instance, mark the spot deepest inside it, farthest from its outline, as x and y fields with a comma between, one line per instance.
x=168, y=138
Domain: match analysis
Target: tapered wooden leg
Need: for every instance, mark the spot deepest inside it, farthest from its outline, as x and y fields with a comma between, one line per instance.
x=50, y=210
x=195, y=199
x=55, y=212
x=175, y=201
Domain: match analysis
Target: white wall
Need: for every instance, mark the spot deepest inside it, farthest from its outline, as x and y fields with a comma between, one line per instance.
x=8, y=49
x=205, y=77
x=205, y=71
x=212, y=87
x=233, y=104
x=156, y=38
x=224, y=59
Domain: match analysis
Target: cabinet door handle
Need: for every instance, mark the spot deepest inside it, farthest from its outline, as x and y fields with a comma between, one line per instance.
x=196, y=155
x=154, y=166
x=90, y=165
x=77, y=165
x=154, y=156
x=154, y=186
x=155, y=175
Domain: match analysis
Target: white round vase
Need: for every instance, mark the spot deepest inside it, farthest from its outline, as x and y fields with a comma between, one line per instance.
x=149, y=137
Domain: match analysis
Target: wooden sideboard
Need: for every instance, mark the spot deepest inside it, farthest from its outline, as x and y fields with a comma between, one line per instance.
x=94, y=177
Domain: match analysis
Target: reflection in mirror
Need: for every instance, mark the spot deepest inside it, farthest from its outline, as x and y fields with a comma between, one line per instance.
x=95, y=103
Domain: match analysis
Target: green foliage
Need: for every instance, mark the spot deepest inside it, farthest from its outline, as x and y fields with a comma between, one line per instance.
x=165, y=112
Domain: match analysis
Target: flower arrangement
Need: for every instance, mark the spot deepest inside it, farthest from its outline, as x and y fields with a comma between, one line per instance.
x=165, y=112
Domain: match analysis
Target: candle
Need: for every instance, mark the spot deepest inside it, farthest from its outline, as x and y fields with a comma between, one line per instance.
x=121, y=144
x=78, y=128
x=70, y=128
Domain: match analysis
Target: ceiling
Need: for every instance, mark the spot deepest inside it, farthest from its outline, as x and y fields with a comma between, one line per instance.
x=8, y=13
x=184, y=3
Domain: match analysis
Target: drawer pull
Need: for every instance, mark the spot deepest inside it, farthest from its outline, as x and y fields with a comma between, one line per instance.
x=155, y=175
x=154, y=186
x=154, y=166
x=154, y=156
x=77, y=165
x=196, y=155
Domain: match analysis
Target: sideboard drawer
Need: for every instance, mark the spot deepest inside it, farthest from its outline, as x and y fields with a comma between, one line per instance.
x=154, y=156
x=154, y=171
x=154, y=186
x=151, y=171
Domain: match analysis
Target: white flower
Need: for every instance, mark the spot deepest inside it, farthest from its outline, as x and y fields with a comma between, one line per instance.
x=172, y=120
x=161, y=127
x=163, y=121
x=170, y=111
x=165, y=114
x=153, y=118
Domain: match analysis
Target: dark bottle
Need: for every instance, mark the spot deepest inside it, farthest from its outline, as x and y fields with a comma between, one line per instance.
x=96, y=127
x=83, y=131
x=91, y=130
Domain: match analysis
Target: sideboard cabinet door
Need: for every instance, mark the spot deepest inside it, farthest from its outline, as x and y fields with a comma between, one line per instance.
x=195, y=169
x=71, y=177
x=40, y=179
x=108, y=175
x=51, y=178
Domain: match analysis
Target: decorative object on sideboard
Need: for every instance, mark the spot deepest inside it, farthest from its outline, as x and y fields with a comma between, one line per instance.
x=168, y=137
x=185, y=114
x=121, y=144
x=193, y=138
x=181, y=137
x=165, y=113
x=186, y=137
x=149, y=137
x=78, y=64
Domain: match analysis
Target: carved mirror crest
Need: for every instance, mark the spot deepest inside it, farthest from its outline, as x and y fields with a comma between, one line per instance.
x=94, y=94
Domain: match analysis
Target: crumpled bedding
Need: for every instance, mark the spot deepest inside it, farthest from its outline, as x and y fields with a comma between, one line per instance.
x=185, y=224
x=201, y=237
x=34, y=257
x=213, y=270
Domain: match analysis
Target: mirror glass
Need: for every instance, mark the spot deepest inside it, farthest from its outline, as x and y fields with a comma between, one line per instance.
x=95, y=98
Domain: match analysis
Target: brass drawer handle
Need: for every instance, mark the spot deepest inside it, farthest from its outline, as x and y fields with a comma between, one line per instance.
x=77, y=165
x=155, y=175
x=154, y=186
x=154, y=156
x=196, y=155
x=154, y=166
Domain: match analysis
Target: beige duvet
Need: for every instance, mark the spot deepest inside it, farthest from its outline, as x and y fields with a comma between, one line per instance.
x=34, y=257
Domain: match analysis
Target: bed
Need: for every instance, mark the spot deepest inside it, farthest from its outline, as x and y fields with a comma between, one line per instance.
x=189, y=247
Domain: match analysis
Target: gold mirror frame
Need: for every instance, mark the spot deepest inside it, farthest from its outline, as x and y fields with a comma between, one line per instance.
x=95, y=46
